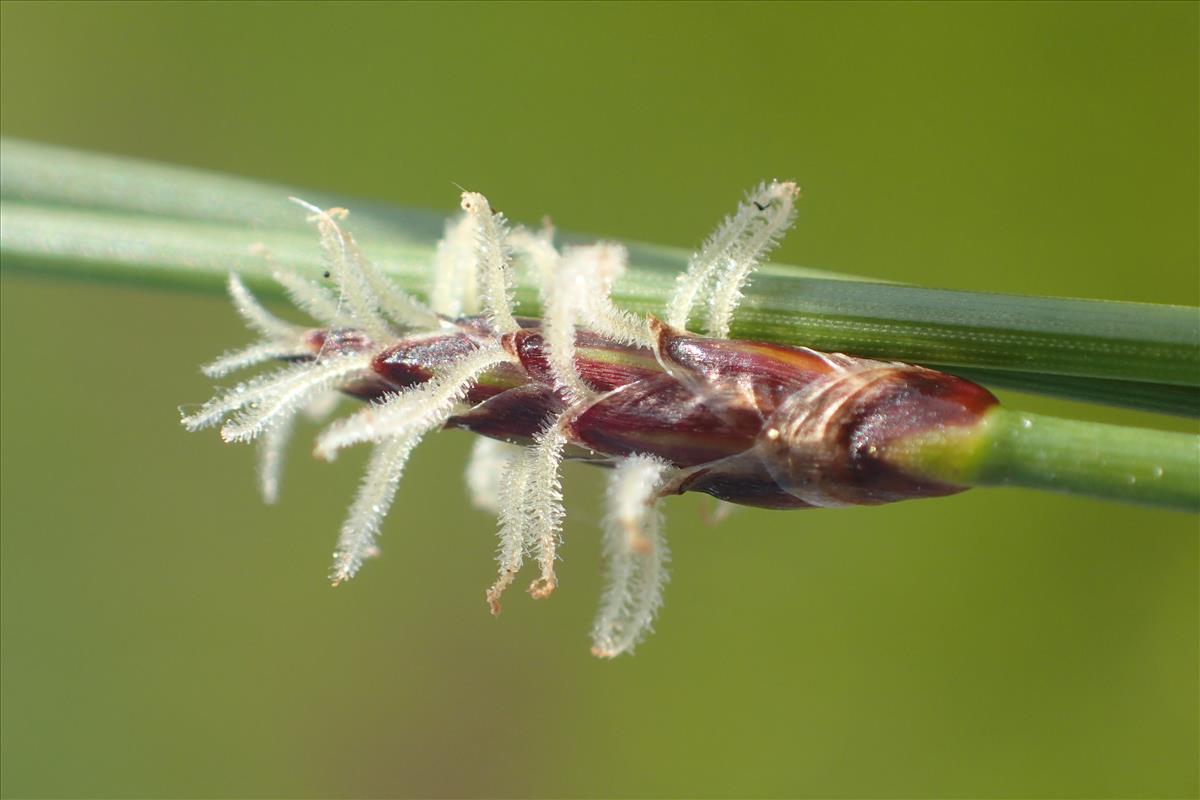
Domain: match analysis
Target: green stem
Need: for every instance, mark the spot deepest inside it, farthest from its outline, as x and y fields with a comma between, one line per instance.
x=1164, y=398
x=100, y=218
x=103, y=218
x=1014, y=448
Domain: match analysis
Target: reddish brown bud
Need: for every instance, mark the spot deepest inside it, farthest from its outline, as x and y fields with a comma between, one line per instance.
x=603, y=365
x=749, y=422
x=662, y=417
x=827, y=443
x=413, y=361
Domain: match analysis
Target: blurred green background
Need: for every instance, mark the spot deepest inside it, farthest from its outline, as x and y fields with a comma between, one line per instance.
x=164, y=634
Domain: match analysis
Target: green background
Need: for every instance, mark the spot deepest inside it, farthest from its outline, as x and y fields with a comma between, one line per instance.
x=164, y=634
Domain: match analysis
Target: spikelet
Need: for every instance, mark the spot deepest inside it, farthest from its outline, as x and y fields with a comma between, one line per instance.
x=368, y=314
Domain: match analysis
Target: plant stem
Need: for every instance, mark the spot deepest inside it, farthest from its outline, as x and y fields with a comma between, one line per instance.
x=100, y=218
x=113, y=219
x=1164, y=398
x=1014, y=448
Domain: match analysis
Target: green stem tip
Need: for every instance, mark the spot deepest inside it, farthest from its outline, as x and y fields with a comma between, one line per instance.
x=1016, y=448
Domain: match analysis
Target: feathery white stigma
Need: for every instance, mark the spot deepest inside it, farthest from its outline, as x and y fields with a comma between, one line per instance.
x=367, y=316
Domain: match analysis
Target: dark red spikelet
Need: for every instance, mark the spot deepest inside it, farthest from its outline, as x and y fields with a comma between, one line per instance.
x=751, y=423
